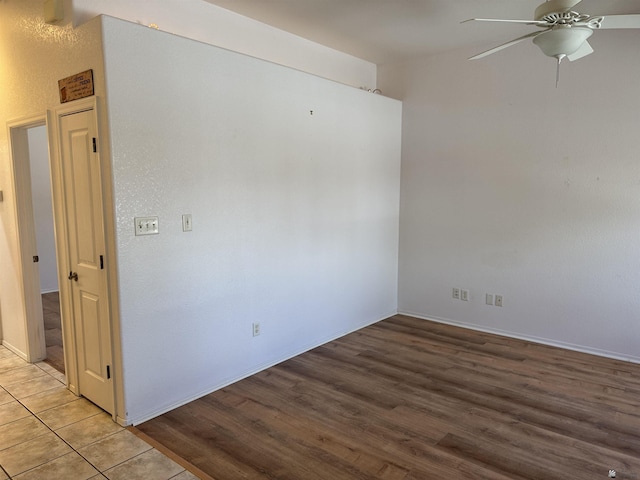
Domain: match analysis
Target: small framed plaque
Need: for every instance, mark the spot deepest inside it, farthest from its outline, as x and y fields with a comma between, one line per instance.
x=76, y=86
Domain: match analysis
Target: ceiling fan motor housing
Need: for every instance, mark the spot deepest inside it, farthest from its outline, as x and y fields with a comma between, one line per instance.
x=554, y=6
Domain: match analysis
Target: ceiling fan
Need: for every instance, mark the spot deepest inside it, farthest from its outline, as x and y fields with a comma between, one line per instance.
x=564, y=31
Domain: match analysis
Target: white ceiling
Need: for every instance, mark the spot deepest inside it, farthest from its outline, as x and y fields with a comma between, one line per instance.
x=385, y=31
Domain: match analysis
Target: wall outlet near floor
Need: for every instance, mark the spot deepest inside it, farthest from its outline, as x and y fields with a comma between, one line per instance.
x=456, y=293
x=498, y=301
x=464, y=295
x=256, y=329
x=489, y=299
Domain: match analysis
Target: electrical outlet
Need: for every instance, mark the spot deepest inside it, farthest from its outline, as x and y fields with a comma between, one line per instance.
x=498, y=301
x=456, y=293
x=256, y=329
x=464, y=295
x=489, y=299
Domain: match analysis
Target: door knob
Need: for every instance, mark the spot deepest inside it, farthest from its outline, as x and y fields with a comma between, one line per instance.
x=73, y=276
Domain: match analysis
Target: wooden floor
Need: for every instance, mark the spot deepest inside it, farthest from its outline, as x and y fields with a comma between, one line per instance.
x=53, y=330
x=414, y=400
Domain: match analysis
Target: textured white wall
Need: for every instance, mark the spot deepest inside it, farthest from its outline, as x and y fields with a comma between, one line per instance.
x=42, y=208
x=211, y=24
x=33, y=57
x=511, y=186
x=295, y=214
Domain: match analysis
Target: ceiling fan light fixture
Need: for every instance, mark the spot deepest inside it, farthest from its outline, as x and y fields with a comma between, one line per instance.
x=560, y=42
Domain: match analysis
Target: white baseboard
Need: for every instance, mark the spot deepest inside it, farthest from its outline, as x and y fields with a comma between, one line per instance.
x=529, y=338
x=15, y=350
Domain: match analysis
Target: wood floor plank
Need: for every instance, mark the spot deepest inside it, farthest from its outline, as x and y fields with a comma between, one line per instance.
x=408, y=399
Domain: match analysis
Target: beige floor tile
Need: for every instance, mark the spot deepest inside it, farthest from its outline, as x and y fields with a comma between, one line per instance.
x=3, y=476
x=186, y=475
x=21, y=431
x=19, y=374
x=5, y=397
x=151, y=465
x=33, y=453
x=69, y=467
x=114, y=450
x=51, y=398
x=72, y=412
x=88, y=431
x=10, y=363
x=31, y=387
x=12, y=411
x=6, y=353
x=45, y=367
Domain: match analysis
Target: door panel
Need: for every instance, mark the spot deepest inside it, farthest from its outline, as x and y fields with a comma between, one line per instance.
x=84, y=227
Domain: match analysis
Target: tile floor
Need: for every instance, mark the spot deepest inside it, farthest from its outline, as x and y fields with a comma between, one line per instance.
x=46, y=432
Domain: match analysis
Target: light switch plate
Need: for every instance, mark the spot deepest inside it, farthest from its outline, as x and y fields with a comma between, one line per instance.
x=187, y=224
x=146, y=225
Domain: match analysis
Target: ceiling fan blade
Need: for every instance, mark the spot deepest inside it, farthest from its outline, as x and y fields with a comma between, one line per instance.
x=583, y=51
x=506, y=45
x=621, y=21
x=525, y=22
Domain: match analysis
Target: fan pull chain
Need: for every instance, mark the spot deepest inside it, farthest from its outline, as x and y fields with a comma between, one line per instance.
x=559, y=57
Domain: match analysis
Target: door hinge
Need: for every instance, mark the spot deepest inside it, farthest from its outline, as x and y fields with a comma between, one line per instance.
x=101, y=262
x=95, y=148
x=36, y=259
x=108, y=372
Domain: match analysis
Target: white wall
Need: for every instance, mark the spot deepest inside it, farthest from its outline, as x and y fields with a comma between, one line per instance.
x=33, y=57
x=43, y=208
x=293, y=184
x=513, y=187
x=214, y=25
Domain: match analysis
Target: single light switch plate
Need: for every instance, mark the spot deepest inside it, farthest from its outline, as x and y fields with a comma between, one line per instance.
x=187, y=225
x=146, y=225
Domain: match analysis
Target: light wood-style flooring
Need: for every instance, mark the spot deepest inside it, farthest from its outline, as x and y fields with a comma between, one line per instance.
x=407, y=399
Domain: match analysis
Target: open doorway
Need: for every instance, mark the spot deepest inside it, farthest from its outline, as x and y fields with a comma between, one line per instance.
x=45, y=240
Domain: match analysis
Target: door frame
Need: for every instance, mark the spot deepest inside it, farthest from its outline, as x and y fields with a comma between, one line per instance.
x=66, y=306
x=29, y=273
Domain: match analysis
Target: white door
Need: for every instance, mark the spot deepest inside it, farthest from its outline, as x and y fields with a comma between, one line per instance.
x=84, y=228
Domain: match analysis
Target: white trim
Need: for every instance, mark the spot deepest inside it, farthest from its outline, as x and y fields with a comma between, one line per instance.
x=15, y=350
x=43, y=292
x=529, y=338
x=29, y=276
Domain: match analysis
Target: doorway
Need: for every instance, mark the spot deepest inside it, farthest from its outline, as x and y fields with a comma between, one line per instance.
x=39, y=167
